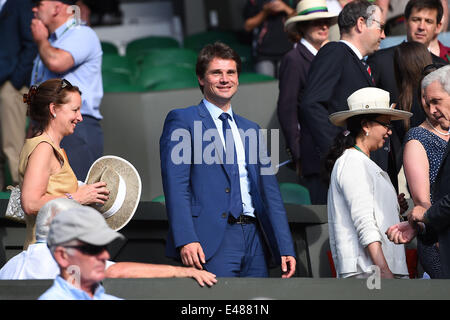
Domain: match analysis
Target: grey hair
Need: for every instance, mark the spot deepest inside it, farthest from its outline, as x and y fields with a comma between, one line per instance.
x=48, y=212
x=442, y=75
x=70, y=251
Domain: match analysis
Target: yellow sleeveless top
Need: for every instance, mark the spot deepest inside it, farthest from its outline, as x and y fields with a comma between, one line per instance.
x=64, y=181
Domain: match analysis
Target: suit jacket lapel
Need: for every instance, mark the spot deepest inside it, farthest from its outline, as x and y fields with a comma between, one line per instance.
x=303, y=51
x=361, y=66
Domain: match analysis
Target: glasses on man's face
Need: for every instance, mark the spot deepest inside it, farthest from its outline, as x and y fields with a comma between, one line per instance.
x=88, y=249
x=388, y=126
x=381, y=26
x=64, y=84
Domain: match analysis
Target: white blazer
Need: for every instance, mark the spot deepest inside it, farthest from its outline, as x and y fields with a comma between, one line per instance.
x=362, y=205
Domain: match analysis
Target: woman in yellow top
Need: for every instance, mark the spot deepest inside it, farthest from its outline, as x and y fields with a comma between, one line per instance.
x=44, y=170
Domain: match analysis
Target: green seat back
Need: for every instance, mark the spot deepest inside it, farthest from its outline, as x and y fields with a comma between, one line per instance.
x=197, y=41
x=143, y=45
x=168, y=56
x=251, y=77
x=294, y=193
x=159, y=199
x=118, y=64
x=109, y=48
x=151, y=76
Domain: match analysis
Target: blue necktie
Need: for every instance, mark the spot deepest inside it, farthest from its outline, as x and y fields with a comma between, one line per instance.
x=235, y=192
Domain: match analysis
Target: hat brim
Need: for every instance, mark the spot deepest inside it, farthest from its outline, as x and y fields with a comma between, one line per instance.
x=339, y=118
x=101, y=238
x=291, y=22
x=133, y=184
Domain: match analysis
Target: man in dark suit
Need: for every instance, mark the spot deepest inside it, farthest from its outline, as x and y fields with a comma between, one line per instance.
x=313, y=25
x=225, y=210
x=337, y=71
x=433, y=223
x=423, y=18
x=17, y=52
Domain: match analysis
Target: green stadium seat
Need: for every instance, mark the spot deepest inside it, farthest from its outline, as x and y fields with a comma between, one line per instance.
x=197, y=41
x=118, y=64
x=251, y=77
x=109, y=48
x=168, y=56
x=119, y=82
x=161, y=199
x=151, y=76
x=5, y=194
x=294, y=193
x=143, y=45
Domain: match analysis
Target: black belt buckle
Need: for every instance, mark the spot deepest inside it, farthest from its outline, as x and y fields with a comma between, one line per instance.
x=242, y=219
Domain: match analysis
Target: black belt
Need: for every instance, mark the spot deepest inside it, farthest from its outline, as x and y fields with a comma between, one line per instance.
x=242, y=219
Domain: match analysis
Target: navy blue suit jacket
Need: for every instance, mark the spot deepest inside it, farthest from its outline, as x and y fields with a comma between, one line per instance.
x=196, y=194
x=17, y=49
x=293, y=75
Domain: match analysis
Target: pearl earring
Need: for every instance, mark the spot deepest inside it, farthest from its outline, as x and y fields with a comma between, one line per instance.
x=367, y=133
x=54, y=115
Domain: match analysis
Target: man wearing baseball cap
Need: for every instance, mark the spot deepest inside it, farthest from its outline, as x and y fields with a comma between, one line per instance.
x=71, y=50
x=78, y=239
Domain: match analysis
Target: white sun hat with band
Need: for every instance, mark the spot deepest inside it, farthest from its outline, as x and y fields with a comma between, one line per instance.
x=124, y=184
x=308, y=10
x=368, y=100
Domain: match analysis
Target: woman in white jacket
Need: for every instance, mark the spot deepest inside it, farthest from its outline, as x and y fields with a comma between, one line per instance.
x=362, y=203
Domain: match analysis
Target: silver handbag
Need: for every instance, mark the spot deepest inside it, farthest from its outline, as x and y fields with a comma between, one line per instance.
x=14, y=210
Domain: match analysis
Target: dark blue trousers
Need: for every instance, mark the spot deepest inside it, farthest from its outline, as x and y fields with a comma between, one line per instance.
x=241, y=253
x=84, y=146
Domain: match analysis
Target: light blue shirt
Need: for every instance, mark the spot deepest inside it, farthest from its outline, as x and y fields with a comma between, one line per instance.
x=62, y=290
x=244, y=181
x=84, y=46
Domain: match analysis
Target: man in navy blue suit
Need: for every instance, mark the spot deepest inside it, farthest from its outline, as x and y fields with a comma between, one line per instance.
x=17, y=51
x=223, y=203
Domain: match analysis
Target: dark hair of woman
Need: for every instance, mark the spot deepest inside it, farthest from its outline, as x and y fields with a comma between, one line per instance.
x=409, y=60
x=40, y=97
x=344, y=140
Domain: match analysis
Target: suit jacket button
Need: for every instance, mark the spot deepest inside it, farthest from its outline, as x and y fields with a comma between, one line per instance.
x=227, y=190
x=224, y=215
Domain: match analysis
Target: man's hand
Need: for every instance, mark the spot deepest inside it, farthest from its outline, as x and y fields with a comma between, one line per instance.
x=39, y=30
x=288, y=266
x=192, y=255
x=401, y=233
x=201, y=276
x=417, y=213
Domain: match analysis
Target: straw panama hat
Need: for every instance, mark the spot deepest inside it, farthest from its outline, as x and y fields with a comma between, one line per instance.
x=124, y=184
x=368, y=101
x=310, y=10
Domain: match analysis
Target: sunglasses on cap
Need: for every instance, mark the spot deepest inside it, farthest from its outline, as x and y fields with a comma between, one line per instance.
x=88, y=249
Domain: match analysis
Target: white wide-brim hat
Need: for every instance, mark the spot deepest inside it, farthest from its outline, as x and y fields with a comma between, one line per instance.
x=124, y=184
x=308, y=10
x=369, y=100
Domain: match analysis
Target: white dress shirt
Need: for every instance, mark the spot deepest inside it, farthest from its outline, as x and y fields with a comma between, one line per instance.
x=244, y=181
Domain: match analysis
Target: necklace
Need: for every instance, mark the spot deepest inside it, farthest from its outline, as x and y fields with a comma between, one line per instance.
x=440, y=132
x=50, y=137
x=359, y=149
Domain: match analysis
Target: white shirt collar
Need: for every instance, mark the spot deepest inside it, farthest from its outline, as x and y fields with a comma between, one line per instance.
x=308, y=46
x=355, y=49
x=215, y=111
